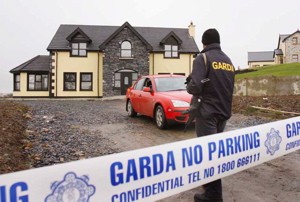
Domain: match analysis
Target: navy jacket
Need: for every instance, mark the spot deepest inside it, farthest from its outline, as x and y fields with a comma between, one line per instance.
x=217, y=93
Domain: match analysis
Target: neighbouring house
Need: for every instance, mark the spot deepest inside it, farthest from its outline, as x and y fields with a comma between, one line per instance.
x=287, y=51
x=262, y=58
x=100, y=61
x=288, y=48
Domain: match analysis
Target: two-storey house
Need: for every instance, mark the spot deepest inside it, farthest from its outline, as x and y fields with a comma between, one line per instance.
x=99, y=61
x=288, y=48
x=287, y=51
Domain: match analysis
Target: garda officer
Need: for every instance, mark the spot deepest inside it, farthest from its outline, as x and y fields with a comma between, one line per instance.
x=216, y=97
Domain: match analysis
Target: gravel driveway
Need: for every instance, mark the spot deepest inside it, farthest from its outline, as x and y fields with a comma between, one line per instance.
x=68, y=130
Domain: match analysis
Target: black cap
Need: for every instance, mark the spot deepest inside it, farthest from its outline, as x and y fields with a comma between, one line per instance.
x=210, y=36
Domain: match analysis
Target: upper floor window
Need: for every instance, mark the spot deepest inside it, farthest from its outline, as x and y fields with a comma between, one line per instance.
x=171, y=51
x=295, y=40
x=70, y=81
x=37, y=82
x=17, y=82
x=126, y=49
x=78, y=49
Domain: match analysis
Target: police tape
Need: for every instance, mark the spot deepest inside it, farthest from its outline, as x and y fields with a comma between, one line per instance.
x=157, y=172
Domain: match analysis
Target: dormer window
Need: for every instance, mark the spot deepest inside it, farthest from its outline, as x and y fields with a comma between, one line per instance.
x=78, y=41
x=171, y=51
x=78, y=49
x=126, y=49
x=171, y=44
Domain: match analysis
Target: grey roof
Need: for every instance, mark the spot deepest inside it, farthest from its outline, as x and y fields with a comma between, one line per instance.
x=283, y=36
x=262, y=56
x=288, y=36
x=99, y=34
x=40, y=63
x=278, y=52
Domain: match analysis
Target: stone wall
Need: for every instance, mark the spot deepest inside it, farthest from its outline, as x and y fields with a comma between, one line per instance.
x=112, y=61
x=292, y=49
x=271, y=85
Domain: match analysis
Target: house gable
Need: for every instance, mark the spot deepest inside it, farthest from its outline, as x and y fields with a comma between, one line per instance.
x=115, y=66
x=171, y=38
x=78, y=36
x=287, y=37
x=126, y=25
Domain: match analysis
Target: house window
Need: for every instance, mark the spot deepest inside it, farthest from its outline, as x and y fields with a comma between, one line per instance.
x=294, y=58
x=37, y=82
x=117, y=80
x=86, y=81
x=70, y=81
x=295, y=40
x=126, y=49
x=17, y=82
x=171, y=51
x=78, y=49
x=118, y=75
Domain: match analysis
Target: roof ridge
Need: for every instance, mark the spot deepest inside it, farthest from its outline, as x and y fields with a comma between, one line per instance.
x=121, y=25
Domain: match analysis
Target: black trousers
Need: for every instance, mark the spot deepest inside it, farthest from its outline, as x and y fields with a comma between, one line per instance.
x=205, y=127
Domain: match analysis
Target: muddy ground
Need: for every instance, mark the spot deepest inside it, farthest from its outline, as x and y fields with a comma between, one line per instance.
x=23, y=124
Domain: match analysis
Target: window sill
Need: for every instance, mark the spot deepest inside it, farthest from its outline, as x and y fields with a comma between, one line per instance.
x=171, y=57
x=37, y=90
x=126, y=58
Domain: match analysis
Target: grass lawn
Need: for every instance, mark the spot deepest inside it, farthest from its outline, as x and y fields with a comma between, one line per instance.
x=292, y=69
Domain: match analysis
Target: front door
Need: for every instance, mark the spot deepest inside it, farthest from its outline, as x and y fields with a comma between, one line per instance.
x=126, y=81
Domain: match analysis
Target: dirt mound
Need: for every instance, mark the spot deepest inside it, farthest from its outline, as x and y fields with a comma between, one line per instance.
x=12, y=136
x=274, y=107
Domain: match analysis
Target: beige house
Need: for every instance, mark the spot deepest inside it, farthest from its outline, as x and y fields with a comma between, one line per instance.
x=259, y=59
x=288, y=51
x=99, y=61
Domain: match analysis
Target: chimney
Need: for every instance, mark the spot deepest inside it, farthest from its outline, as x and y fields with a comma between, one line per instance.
x=192, y=30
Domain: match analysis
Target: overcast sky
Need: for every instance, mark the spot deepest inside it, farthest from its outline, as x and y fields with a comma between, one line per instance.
x=27, y=26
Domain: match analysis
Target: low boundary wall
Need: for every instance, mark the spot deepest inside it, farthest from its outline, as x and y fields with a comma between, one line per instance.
x=270, y=85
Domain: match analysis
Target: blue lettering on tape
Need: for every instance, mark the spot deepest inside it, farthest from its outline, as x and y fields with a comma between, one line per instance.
x=292, y=145
x=141, y=168
x=148, y=190
x=234, y=145
x=16, y=193
x=192, y=155
x=293, y=129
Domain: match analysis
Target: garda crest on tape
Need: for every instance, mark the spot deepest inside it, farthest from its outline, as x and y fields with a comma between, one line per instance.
x=273, y=141
x=71, y=188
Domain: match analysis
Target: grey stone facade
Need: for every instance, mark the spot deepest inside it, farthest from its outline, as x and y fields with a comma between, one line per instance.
x=292, y=49
x=113, y=62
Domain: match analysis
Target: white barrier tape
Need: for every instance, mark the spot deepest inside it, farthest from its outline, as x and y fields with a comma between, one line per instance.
x=156, y=172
